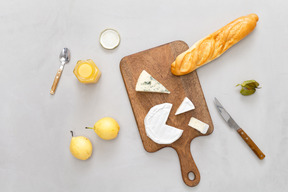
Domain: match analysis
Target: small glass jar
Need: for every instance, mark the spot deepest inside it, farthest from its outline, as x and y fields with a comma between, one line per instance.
x=86, y=71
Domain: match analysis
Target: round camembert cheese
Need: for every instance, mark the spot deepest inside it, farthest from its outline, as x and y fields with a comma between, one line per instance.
x=155, y=125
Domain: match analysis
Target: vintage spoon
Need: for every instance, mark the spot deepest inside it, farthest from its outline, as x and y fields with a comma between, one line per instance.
x=64, y=58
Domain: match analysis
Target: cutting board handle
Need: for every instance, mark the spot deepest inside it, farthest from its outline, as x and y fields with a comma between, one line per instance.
x=188, y=166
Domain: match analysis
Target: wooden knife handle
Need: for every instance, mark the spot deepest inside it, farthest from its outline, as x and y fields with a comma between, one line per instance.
x=188, y=166
x=251, y=144
x=56, y=80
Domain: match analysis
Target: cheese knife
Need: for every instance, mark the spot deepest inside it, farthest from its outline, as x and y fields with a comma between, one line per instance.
x=230, y=121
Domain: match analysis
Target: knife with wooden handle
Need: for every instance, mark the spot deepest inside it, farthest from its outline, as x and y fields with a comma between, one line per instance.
x=242, y=133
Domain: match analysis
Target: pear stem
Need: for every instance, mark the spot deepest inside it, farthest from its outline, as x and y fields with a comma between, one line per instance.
x=89, y=128
x=71, y=133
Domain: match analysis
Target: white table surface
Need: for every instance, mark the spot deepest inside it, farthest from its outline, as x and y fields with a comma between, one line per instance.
x=35, y=137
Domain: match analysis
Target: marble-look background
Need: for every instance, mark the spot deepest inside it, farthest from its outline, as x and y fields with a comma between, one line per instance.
x=35, y=137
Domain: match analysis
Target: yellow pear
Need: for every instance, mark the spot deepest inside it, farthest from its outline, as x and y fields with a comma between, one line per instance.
x=80, y=147
x=106, y=128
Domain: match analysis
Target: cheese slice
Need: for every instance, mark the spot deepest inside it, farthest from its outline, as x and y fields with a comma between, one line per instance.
x=198, y=125
x=155, y=125
x=185, y=106
x=146, y=83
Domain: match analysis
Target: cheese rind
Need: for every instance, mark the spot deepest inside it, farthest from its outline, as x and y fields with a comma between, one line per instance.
x=198, y=125
x=185, y=106
x=156, y=128
x=146, y=83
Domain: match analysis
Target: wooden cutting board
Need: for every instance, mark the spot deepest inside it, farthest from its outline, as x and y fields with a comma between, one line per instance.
x=157, y=61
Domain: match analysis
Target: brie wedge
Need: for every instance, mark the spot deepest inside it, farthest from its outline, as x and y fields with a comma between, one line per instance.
x=185, y=106
x=198, y=125
x=146, y=83
x=155, y=125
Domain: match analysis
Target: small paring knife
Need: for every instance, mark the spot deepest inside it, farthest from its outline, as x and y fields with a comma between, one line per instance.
x=242, y=133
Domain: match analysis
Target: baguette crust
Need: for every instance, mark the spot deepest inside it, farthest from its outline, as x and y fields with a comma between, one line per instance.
x=214, y=45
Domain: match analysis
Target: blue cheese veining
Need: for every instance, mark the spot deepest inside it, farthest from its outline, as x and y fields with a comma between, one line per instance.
x=146, y=83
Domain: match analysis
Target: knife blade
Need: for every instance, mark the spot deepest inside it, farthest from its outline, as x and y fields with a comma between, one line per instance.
x=230, y=121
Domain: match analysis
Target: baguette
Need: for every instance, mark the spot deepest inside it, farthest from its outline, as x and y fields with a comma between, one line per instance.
x=214, y=45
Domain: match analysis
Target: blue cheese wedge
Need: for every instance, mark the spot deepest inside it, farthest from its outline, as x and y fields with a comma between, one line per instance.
x=146, y=83
x=157, y=129
x=185, y=106
x=198, y=125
